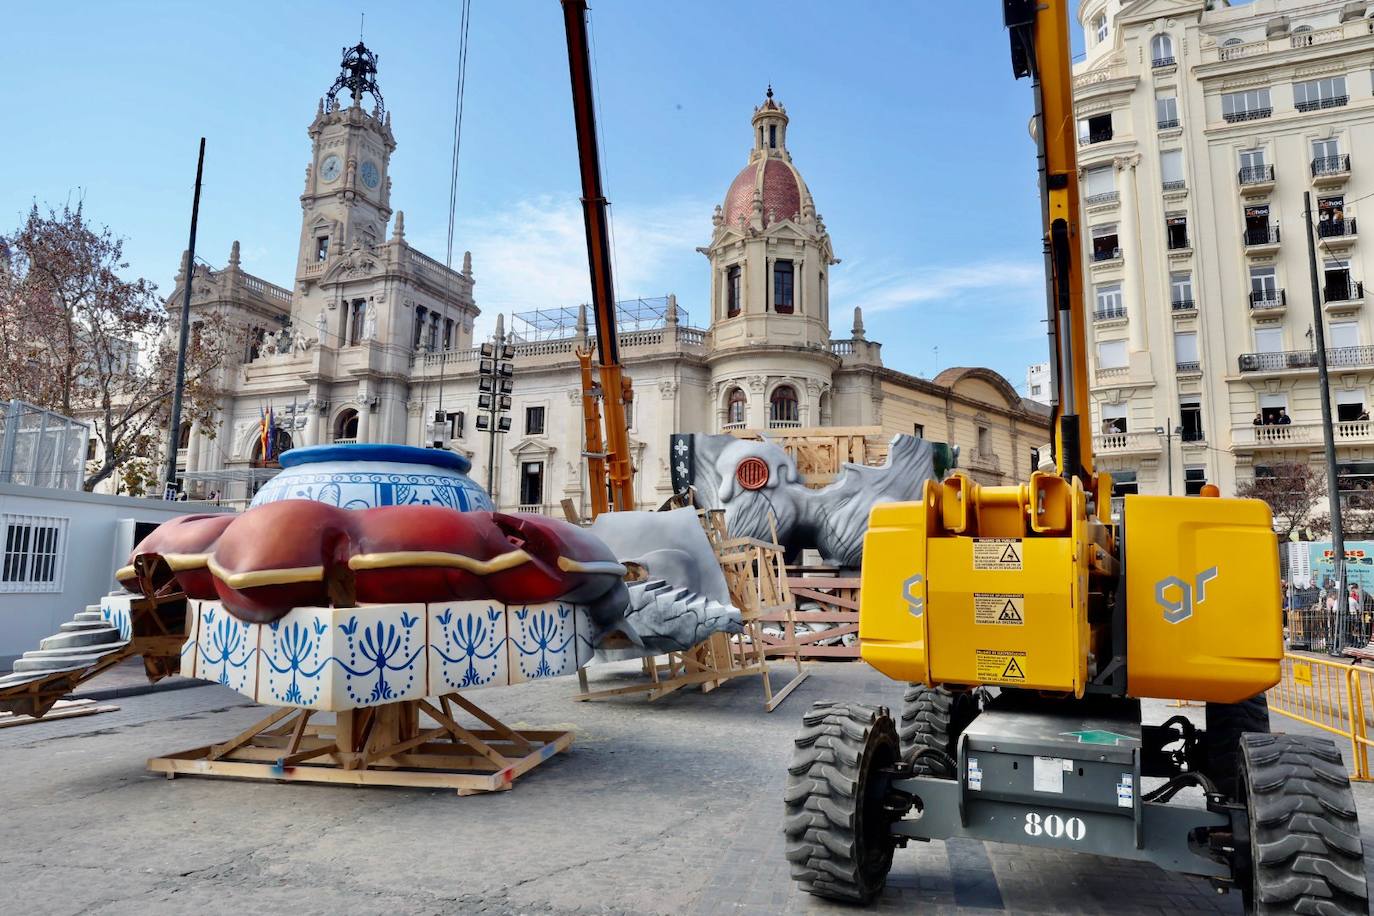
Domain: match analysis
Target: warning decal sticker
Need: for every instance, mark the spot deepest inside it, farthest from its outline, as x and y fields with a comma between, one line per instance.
x=997, y=553
x=999, y=609
x=1000, y=666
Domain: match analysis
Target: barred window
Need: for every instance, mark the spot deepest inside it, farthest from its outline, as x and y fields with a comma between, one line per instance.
x=35, y=547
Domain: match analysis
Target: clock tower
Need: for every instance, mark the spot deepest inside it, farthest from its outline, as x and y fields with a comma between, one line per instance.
x=347, y=198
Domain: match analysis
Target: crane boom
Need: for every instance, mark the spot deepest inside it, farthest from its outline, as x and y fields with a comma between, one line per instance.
x=614, y=389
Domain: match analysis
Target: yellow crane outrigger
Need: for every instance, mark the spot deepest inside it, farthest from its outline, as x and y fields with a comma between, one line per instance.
x=1029, y=625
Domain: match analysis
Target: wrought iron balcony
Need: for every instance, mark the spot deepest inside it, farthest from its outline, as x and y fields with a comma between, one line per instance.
x=1109, y=314
x=1256, y=174
x=1188, y=365
x=1106, y=197
x=1167, y=124
x=1266, y=299
x=1250, y=114
x=1163, y=62
x=1347, y=291
x=1335, y=101
x=1341, y=357
x=1106, y=254
x=1261, y=235
x=1184, y=305
x=1178, y=184
x=1336, y=228
x=1330, y=165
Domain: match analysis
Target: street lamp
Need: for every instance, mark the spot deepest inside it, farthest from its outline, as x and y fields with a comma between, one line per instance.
x=1168, y=431
x=495, y=381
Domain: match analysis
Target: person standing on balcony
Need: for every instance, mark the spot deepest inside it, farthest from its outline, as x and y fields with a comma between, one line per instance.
x=1259, y=419
x=1284, y=419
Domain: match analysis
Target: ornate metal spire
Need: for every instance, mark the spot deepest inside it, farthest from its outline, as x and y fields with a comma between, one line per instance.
x=358, y=74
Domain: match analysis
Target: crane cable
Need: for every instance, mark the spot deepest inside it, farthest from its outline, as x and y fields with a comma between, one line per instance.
x=459, y=93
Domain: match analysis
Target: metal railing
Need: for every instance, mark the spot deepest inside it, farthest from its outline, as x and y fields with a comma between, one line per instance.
x=1262, y=235
x=1184, y=305
x=1265, y=299
x=1344, y=292
x=1336, y=228
x=1249, y=114
x=1163, y=62
x=1335, y=101
x=1188, y=365
x=1176, y=184
x=1331, y=165
x=1255, y=174
x=1167, y=124
x=1305, y=359
x=1109, y=314
x=1324, y=694
x=1105, y=197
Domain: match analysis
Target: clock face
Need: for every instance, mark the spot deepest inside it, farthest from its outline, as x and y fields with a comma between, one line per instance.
x=330, y=168
x=370, y=174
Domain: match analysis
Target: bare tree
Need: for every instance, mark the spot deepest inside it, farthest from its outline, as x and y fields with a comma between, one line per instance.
x=1293, y=491
x=78, y=338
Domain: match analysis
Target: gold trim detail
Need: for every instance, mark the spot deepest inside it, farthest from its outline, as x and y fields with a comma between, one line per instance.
x=125, y=572
x=438, y=558
x=595, y=566
x=178, y=562
x=259, y=577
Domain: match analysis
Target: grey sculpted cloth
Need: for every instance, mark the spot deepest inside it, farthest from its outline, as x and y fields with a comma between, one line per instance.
x=831, y=520
x=685, y=598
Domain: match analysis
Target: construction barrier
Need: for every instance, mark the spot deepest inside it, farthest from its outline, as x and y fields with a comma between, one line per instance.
x=1332, y=696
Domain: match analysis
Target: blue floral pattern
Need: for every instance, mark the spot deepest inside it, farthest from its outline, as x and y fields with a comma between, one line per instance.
x=227, y=648
x=468, y=642
x=541, y=639
x=367, y=489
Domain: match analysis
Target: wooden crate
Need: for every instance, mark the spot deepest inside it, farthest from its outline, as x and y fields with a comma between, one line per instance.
x=838, y=597
x=821, y=451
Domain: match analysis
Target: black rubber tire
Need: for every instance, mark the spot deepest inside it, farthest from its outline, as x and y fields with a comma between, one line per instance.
x=934, y=717
x=835, y=828
x=1226, y=722
x=1304, y=832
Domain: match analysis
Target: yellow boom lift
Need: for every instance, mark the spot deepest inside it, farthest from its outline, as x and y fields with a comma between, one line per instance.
x=1029, y=627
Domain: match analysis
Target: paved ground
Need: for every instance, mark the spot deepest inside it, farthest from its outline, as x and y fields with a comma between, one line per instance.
x=673, y=807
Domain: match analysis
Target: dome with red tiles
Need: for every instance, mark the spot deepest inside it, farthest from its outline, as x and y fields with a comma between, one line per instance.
x=779, y=186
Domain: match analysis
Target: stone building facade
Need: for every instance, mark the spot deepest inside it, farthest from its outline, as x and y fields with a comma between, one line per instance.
x=1201, y=126
x=373, y=342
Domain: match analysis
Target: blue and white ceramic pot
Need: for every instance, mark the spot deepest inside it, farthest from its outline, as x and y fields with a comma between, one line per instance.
x=364, y=476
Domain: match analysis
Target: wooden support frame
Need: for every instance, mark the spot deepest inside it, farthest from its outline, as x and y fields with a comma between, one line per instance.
x=378, y=746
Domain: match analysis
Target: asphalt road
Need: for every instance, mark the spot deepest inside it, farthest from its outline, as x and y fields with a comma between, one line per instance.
x=672, y=807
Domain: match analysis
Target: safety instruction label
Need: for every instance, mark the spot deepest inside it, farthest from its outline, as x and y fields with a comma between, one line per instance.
x=997, y=553
x=1000, y=666
x=999, y=609
x=1302, y=673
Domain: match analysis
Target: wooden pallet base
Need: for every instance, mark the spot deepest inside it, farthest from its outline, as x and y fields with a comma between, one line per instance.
x=380, y=746
x=715, y=661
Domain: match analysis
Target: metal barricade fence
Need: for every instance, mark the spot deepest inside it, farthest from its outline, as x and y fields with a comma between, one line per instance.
x=1328, y=695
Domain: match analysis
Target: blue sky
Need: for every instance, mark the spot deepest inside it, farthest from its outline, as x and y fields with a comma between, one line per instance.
x=906, y=125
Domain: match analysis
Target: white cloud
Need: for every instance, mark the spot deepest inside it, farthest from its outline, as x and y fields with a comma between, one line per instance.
x=889, y=289
x=534, y=253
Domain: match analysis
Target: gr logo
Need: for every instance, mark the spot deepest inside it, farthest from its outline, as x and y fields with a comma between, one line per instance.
x=916, y=603
x=1177, y=611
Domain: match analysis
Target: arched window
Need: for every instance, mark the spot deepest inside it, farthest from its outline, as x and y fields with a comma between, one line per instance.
x=184, y=435
x=1162, y=50
x=346, y=426
x=736, y=407
x=281, y=441
x=782, y=407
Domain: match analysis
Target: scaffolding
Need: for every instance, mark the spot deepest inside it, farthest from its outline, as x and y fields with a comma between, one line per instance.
x=561, y=322
x=40, y=448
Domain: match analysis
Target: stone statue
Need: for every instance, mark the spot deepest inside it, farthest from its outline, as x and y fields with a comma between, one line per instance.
x=269, y=345
x=370, y=323
x=321, y=327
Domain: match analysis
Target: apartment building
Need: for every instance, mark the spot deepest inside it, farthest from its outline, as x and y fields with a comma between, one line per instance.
x=1202, y=125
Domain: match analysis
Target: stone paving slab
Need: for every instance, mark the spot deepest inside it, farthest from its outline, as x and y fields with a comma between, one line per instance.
x=672, y=807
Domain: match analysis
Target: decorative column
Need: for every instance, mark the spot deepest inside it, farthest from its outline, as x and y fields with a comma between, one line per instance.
x=1129, y=239
x=193, y=449
x=364, y=418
